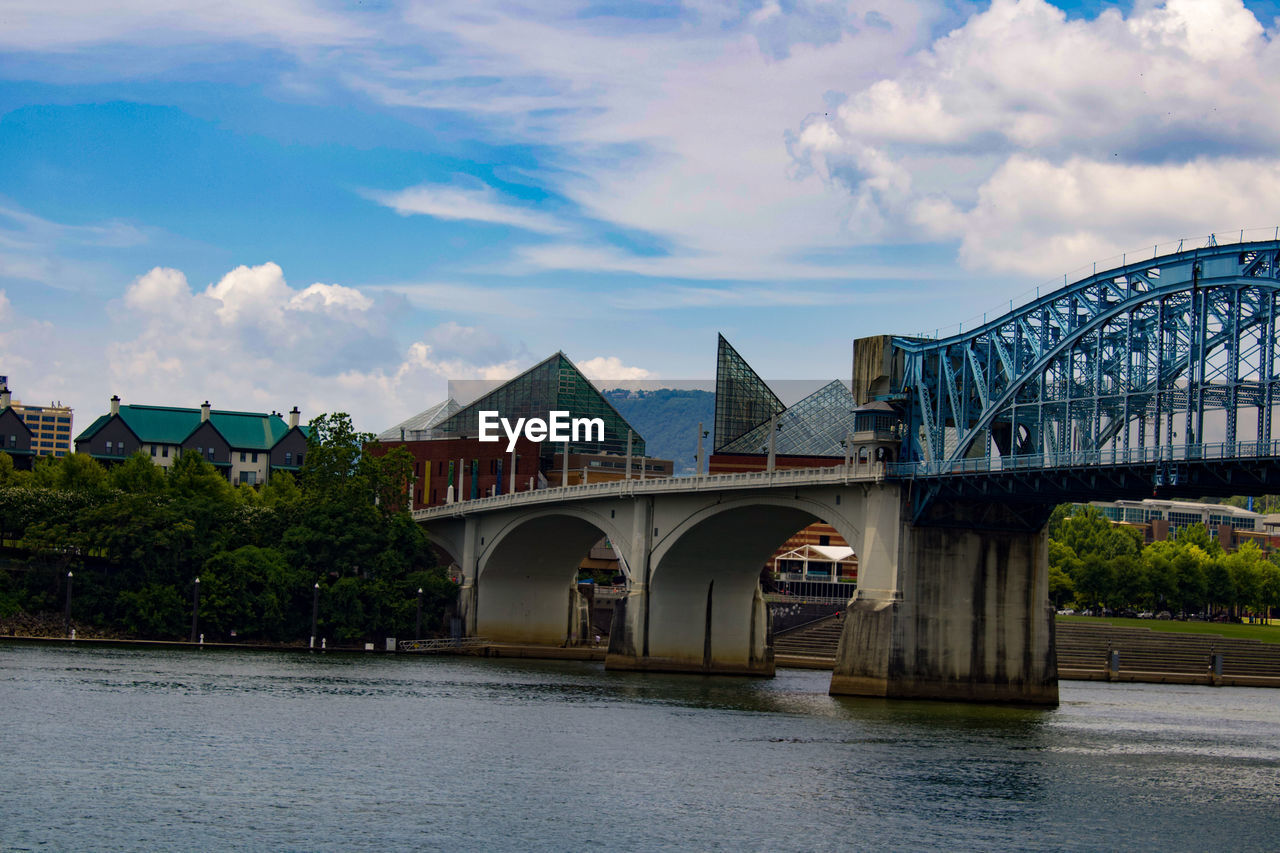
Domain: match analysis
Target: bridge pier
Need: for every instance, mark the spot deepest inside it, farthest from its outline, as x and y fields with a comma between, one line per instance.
x=961, y=614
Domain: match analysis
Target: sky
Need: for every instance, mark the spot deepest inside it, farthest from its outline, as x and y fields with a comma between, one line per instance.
x=342, y=206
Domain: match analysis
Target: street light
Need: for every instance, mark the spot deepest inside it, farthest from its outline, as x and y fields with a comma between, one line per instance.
x=417, y=630
x=195, y=608
x=315, y=609
x=66, y=617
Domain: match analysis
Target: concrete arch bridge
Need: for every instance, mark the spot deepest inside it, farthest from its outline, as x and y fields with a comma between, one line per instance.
x=692, y=549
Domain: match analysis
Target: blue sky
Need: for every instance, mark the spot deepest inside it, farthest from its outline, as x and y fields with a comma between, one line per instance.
x=342, y=206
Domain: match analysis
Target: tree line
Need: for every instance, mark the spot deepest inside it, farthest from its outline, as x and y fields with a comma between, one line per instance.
x=1096, y=564
x=135, y=538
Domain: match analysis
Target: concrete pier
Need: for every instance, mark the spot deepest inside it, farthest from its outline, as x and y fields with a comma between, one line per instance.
x=963, y=615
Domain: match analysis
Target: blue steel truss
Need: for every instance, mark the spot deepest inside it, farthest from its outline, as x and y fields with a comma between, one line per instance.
x=1172, y=352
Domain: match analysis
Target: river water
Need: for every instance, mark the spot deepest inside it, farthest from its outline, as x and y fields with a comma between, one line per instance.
x=126, y=749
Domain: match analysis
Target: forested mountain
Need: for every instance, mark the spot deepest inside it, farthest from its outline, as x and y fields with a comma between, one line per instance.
x=668, y=419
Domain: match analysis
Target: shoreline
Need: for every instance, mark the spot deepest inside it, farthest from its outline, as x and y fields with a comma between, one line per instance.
x=587, y=653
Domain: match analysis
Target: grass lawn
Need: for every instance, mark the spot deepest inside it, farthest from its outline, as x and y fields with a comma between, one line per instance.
x=1264, y=633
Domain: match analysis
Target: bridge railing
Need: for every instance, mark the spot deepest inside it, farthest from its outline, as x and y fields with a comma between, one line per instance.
x=1088, y=458
x=704, y=482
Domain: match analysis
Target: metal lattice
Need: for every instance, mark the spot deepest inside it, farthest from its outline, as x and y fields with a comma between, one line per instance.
x=1176, y=351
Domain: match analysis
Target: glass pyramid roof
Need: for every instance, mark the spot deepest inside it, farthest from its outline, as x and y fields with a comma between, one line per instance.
x=743, y=400
x=815, y=426
x=551, y=385
x=420, y=425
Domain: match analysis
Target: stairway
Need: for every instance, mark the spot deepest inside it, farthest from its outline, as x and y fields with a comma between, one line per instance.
x=818, y=639
x=1084, y=650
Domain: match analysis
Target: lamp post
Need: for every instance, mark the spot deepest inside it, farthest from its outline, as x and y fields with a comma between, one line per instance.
x=315, y=611
x=195, y=608
x=417, y=629
x=66, y=616
x=702, y=433
x=774, y=426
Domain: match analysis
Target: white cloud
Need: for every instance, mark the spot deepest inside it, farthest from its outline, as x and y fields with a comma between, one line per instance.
x=1042, y=143
x=611, y=367
x=68, y=24
x=251, y=341
x=36, y=249
x=477, y=204
x=675, y=130
x=1032, y=214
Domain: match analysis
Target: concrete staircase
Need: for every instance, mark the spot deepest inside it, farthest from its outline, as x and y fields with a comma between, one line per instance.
x=816, y=641
x=1145, y=655
x=1084, y=652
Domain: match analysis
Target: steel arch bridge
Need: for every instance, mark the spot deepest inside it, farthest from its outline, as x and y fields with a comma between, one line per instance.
x=1168, y=359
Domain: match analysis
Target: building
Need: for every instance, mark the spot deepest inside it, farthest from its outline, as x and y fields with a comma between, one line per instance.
x=809, y=570
x=50, y=425
x=247, y=446
x=451, y=463
x=16, y=437
x=1161, y=519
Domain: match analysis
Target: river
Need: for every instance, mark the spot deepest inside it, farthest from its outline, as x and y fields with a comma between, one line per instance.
x=129, y=749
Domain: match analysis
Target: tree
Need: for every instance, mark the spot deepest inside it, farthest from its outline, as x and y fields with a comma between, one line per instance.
x=1198, y=535
x=248, y=591
x=1132, y=586
x=138, y=475
x=1061, y=588
x=336, y=462
x=1094, y=581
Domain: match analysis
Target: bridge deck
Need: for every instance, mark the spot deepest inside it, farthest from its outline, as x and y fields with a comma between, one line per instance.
x=628, y=488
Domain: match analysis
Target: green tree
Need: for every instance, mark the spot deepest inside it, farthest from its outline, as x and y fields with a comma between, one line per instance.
x=1198, y=535
x=138, y=475
x=1132, y=585
x=1061, y=588
x=249, y=591
x=155, y=611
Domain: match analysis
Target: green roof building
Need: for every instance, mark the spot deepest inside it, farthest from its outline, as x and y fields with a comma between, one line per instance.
x=248, y=446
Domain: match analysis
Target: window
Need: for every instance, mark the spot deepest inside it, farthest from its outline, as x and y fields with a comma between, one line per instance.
x=164, y=451
x=153, y=451
x=288, y=457
x=64, y=420
x=248, y=477
x=242, y=456
x=824, y=540
x=300, y=455
x=212, y=456
x=108, y=444
x=254, y=459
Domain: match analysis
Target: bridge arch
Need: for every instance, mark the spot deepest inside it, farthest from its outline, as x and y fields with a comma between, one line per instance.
x=525, y=573
x=706, y=610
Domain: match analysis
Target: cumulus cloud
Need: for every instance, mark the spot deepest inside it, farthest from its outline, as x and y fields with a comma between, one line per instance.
x=1041, y=142
x=611, y=367
x=252, y=341
x=477, y=204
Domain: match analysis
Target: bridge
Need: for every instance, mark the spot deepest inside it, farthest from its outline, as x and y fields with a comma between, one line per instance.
x=1106, y=387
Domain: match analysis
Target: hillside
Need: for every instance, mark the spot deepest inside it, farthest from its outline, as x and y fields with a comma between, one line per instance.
x=668, y=419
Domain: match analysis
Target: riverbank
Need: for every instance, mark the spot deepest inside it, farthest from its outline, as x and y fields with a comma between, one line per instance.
x=1091, y=649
